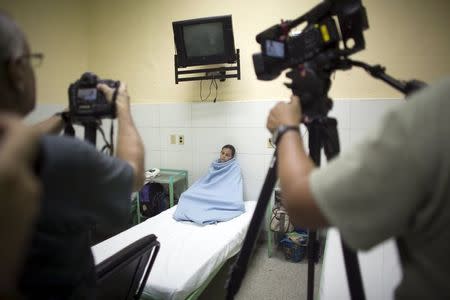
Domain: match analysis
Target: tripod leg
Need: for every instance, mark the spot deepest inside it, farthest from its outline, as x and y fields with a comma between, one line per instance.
x=353, y=272
x=315, y=145
x=90, y=132
x=239, y=268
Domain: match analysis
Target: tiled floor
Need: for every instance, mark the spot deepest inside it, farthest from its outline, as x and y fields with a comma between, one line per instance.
x=266, y=278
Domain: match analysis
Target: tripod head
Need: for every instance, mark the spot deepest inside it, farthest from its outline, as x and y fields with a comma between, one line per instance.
x=311, y=84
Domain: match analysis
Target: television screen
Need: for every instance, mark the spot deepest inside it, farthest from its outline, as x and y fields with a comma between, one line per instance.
x=204, y=41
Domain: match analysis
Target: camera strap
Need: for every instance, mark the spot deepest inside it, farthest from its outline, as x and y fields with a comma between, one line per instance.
x=114, y=113
x=69, y=130
x=68, y=127
x=114, y=98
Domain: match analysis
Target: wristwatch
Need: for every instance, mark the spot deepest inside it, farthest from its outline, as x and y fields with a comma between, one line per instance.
x=282, y=129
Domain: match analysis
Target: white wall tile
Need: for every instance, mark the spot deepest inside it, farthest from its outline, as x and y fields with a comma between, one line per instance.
x=145, y=115
x=207, y=140
x=252, y=166
x=181, y=160
x=201, y=163
x=248, y=114
x=209, y=114
x=248, y=140
x=252, y=188
x=341, y=111
x=368, y=113
x=191, y=180
x=152, y=159
x=267, y=163
x=245, y=140
x=175, y=115
x=151, y=137
x=344, y=138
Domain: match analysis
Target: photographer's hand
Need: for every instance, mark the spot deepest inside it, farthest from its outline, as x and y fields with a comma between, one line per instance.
x=129, y=144
x=122, y=98
x=285, y=114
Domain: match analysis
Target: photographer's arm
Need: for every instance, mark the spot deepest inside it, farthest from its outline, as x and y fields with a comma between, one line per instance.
x=295, y=167
x=129, y=144
x=52, y=125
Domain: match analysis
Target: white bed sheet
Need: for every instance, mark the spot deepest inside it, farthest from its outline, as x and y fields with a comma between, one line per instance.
x=189, y=253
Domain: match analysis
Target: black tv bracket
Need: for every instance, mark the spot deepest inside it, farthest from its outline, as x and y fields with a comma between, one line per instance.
x=220, y=73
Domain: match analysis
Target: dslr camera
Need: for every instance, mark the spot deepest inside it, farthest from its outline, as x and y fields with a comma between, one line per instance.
x=87, y=103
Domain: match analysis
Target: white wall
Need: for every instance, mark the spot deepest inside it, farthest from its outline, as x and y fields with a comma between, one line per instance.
x=208, y=126
x=380, y=269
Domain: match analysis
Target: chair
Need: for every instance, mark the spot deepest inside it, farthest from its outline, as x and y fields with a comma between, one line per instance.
x=123, y=275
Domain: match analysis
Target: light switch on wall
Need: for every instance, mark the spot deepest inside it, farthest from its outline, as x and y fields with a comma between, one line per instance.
x=173, y=139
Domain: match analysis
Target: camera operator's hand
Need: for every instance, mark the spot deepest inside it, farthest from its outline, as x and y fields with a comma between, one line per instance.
x=285, y=114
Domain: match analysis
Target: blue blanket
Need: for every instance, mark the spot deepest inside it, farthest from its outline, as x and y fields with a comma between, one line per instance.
x=216, y=197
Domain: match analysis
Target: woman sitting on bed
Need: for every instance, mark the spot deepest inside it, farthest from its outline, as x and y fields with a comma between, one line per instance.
x=217, y=196
x=227, y=153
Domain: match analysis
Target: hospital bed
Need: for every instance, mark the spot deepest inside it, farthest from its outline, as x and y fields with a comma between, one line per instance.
x=190, y=255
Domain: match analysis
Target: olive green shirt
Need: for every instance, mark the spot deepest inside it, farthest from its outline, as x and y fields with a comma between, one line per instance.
x=396, y=183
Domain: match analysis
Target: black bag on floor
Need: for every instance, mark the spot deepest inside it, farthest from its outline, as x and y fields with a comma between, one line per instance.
x=153, y=199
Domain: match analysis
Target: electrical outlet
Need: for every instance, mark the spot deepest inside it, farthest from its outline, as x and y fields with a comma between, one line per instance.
x=173, y=139
x=181, y=140
x=269, y=143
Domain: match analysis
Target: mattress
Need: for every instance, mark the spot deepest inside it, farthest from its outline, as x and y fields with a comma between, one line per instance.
x=189, y=252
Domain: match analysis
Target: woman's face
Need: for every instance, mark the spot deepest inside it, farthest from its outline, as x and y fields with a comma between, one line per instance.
x=225, y=155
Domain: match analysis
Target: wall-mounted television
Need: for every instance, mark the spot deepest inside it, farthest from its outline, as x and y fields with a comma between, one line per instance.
x=204, y=41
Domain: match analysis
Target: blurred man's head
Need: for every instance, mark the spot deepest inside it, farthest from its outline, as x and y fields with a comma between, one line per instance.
x=17, y=83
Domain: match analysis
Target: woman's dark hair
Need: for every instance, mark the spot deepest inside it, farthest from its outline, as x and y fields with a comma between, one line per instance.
x=231, y=147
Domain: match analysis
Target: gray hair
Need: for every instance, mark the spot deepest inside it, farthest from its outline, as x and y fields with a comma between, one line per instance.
x=12, y=39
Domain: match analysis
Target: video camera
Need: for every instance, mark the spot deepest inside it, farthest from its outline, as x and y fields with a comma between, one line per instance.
x=87, y=103
x=314, y=53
